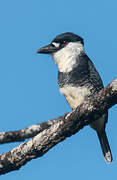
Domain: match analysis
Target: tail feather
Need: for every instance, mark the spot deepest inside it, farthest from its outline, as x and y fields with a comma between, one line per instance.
x=105, y=146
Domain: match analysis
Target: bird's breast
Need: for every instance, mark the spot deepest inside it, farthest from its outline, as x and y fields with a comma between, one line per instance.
x=75, y=95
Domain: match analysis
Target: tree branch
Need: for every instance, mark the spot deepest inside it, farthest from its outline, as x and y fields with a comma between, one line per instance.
x=62, y=127
x=22, y=134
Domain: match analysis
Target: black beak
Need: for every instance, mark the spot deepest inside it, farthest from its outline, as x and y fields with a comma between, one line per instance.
x=49, y=49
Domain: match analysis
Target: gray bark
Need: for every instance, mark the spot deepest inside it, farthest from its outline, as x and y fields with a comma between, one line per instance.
x=22, y=134
x=59, y=129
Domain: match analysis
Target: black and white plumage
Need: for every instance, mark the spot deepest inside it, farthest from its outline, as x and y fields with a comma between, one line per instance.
x=78, y=79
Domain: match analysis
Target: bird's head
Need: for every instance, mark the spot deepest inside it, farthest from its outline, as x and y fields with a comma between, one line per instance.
x=64, y=49
x=61, y=41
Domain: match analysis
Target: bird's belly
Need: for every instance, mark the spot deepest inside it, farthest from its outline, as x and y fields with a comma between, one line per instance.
x=75, y=95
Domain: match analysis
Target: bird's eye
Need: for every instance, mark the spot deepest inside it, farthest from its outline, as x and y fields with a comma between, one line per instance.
x=65, y=43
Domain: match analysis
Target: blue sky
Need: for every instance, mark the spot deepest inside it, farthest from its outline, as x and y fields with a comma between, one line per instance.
x=28, y=82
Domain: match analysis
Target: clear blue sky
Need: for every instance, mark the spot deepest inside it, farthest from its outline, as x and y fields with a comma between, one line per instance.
x=28, y=82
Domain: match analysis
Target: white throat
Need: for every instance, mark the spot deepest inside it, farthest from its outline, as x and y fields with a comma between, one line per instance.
x=65, y=58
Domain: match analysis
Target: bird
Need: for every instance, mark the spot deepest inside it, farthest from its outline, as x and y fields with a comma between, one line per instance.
x=78, y=79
